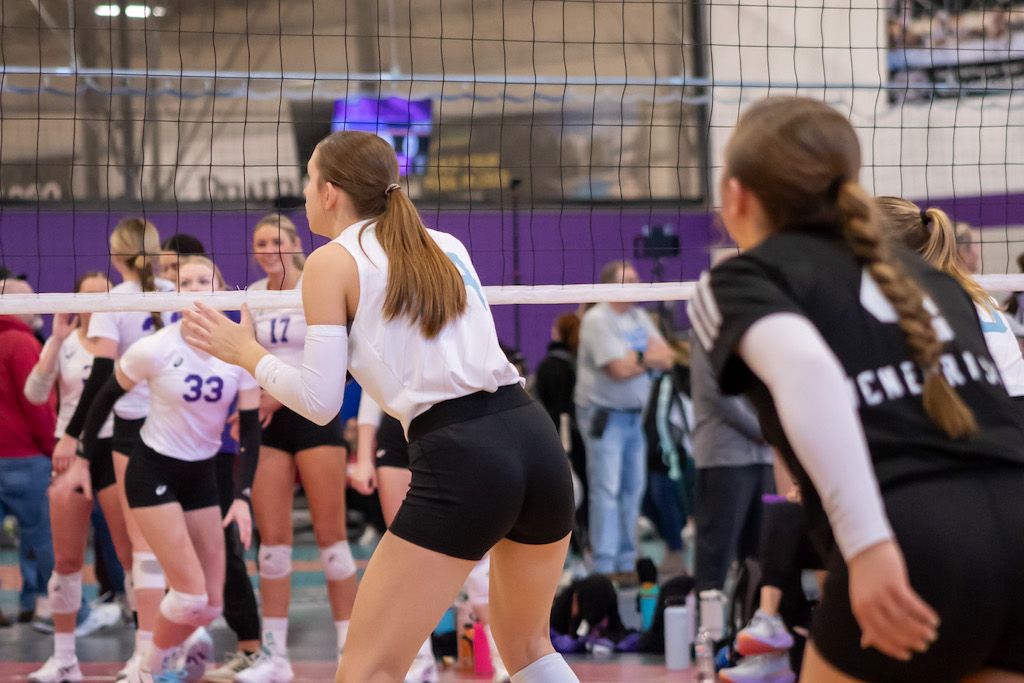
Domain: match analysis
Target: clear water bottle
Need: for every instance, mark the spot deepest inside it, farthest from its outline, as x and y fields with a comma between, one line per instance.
x=704, y=651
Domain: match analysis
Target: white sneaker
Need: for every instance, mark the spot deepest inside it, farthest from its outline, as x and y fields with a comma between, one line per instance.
x=767, y=668
x=131, y=668
x=101, y=615
x=423, y=669
x=233, y=664
x=196, y=651
x=267, y=668
x=54, y=672
x=765, y=633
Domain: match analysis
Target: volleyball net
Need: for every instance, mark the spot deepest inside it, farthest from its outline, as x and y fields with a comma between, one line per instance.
x=550, y=137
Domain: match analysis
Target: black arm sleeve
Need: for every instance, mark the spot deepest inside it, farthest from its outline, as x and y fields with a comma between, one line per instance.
x=101, y=406
x=248, y=451
x=102, y=368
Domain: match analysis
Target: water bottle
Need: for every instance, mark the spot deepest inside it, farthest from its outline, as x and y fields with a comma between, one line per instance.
x=678, y=638
x=704, y=649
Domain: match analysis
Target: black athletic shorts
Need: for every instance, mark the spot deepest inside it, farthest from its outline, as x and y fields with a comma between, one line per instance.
x=290, y=432
x=126, y=435
x=963, y=538
x=101, y=467
x=154, y=479
x=392, y=448
x=485, y=467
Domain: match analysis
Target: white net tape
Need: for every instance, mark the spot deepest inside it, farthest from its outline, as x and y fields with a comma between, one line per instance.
x=16, y=304
x=19, y=304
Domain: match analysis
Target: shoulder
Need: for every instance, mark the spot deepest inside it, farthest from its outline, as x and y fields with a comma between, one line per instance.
x=164, y=285
x=447, y=241
x=260, y=284
x=126, y=286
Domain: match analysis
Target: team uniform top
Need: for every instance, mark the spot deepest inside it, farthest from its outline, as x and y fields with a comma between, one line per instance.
x=280, y=331
x=73, y=365
x=401, y=370
x=811, y=275
x=191, y=394
x=125, y=328
x=1002, y=344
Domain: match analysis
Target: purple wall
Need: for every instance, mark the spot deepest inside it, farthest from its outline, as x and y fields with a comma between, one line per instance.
x=568, y=247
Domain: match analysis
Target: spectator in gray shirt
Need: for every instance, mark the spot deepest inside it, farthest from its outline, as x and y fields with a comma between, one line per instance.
x=618, y=345
x=734, y=469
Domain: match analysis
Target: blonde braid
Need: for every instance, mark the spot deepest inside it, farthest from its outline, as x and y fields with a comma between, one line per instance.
x=864, y=237
x=144, y=266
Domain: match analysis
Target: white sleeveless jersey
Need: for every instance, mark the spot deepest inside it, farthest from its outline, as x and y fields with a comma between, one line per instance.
x=282, y=332
x=190, y=394
x=396, y=366
x=74, y=363
x=1002, y=344
x=127, y=327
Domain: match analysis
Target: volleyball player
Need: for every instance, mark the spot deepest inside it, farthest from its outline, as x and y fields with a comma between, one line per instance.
x=291, y=442
x=66, y=360
x=932, y=234
x=134, y=253
x=170, y=481
x=488, y=471
x=382, y=462
x=872, y=378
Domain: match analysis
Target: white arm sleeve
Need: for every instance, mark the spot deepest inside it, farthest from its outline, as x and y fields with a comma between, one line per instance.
x=316, y=390
x=38, y=385
x=808, y=386
x=369, y=412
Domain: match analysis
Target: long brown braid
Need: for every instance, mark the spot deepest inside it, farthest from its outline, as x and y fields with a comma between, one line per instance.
x=800, y=158
x=140, y=237
x=863, y=234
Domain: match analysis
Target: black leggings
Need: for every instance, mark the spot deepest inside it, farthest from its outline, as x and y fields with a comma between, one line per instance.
x=240, y=610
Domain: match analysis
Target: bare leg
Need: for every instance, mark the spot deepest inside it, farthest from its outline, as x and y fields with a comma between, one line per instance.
x=273, y=494
x=322, y=470
x=392, y=485
x=523, y=583
x=770, y=599
x=994, y=676
x=147, y=600
x=69, y=522
x=424, y=583
x=816, y=669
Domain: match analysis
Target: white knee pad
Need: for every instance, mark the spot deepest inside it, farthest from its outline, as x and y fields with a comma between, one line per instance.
x=147, y=572
x=478, y=587
x=65, y=592
x=338, y=562
x=211, y=612
x=275, y=561
x=183, y=608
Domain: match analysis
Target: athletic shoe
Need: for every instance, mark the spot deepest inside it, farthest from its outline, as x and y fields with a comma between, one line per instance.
x=233, y=664
x=166, y=676
x=55, y=672
x=765, y=633
x=423, y=669
x=267, y=668
x=131, y=668
x=101, y=615
x=196, y=651
x=769, y=668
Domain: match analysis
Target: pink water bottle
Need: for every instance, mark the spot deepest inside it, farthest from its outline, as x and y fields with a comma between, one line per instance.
x=481, y=651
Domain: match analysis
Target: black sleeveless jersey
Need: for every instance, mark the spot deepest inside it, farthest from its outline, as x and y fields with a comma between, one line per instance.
x=817, y=277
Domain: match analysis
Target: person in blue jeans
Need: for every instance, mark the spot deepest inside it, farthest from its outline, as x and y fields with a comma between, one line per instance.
x=25, y=440
x=618, y=347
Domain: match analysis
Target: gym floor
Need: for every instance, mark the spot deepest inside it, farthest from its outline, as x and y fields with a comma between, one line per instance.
x=311, y=631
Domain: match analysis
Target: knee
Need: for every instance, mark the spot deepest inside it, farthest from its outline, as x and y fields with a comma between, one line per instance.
x=338, y=562
x=329, y=533
x=189, y=609
x=147, y=572
x=275, y=561
x=65, y=592
x=65, y=562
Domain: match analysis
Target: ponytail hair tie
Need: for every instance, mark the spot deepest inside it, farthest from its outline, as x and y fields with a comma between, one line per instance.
x=925, y=218
x=391, y=188
x=832, y=193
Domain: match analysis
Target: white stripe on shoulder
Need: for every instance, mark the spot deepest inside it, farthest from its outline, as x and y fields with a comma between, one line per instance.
x=704, y=313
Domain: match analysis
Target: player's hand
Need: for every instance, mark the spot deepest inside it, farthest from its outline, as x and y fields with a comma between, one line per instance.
x=363, y=477
x=235, y=430
x=892, y=617
x=64, y=324
x=76, y=478
x=213, y=332
x=64, y=454
x=268, y=406
x=239, y=512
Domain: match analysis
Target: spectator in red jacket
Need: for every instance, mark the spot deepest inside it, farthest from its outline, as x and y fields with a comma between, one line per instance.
x=26, y=442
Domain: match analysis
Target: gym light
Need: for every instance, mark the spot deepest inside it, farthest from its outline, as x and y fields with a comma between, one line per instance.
x=131, y=11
